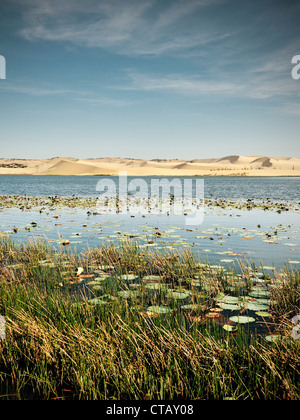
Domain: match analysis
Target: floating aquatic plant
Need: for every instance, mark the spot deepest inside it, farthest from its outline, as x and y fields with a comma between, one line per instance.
x=174, y=294
x=127, y=294
x=96, y=301
x=159, y=309
x=229, y=328
x=157, y=286
x=242, y=319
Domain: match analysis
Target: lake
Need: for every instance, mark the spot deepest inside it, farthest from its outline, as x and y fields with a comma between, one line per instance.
x=250, y=219
x=275, y=188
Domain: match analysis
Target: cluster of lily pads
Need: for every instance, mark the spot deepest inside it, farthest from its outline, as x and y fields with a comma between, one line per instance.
x=93, y=203
x=246, y=298
x=114, y=316
x=221, y=241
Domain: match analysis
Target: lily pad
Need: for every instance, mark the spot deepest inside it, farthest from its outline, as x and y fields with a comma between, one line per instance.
x=264, y=314
x=228, y=306
x=227, y=299
x=100, y=278
x=128, y=276
x=106, y=267
x=96, y=301
x=96, y=281
x=259, y=293
x=255, y=306
x=157, y=286
x=152, y=278
x=229, y=328
x=108, y=297
x=213, y=314
x=177, y=295
x=127, y=294
x=159, y=309
x=96, y=286
x=273, y=338
x=242, y=319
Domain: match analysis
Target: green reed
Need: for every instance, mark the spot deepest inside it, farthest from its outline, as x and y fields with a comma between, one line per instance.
x=68, y=339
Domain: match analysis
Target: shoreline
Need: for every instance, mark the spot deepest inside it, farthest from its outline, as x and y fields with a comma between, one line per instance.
x=162, y=176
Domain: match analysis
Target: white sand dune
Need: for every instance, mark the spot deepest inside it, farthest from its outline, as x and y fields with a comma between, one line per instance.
x=262, y=162
x=233, y=165
x=67, y=167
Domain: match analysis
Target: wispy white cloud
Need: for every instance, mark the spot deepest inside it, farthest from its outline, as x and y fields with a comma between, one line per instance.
x=82, y=96
x=39, y=91
x=258, y=87
x=152, y=27
x=180, y=84
x=125, y=27
x=292, y=108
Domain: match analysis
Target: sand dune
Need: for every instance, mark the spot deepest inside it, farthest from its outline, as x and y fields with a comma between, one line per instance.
x=67, y=167
x=229, y=159
x=233, y=165
x=262, y=162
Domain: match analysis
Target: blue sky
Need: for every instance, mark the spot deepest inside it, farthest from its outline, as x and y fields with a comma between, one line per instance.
x=149, y=79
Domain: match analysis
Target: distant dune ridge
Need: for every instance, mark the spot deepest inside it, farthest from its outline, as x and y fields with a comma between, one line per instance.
x=233, y=165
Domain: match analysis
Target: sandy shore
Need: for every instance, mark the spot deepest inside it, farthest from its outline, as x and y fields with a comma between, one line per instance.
x=226, y=166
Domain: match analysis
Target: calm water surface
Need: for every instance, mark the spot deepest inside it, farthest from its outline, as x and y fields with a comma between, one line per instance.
x=277, y=188
x=225, y=236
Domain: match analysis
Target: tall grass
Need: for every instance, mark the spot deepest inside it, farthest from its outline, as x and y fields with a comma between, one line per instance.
x=59, y=345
